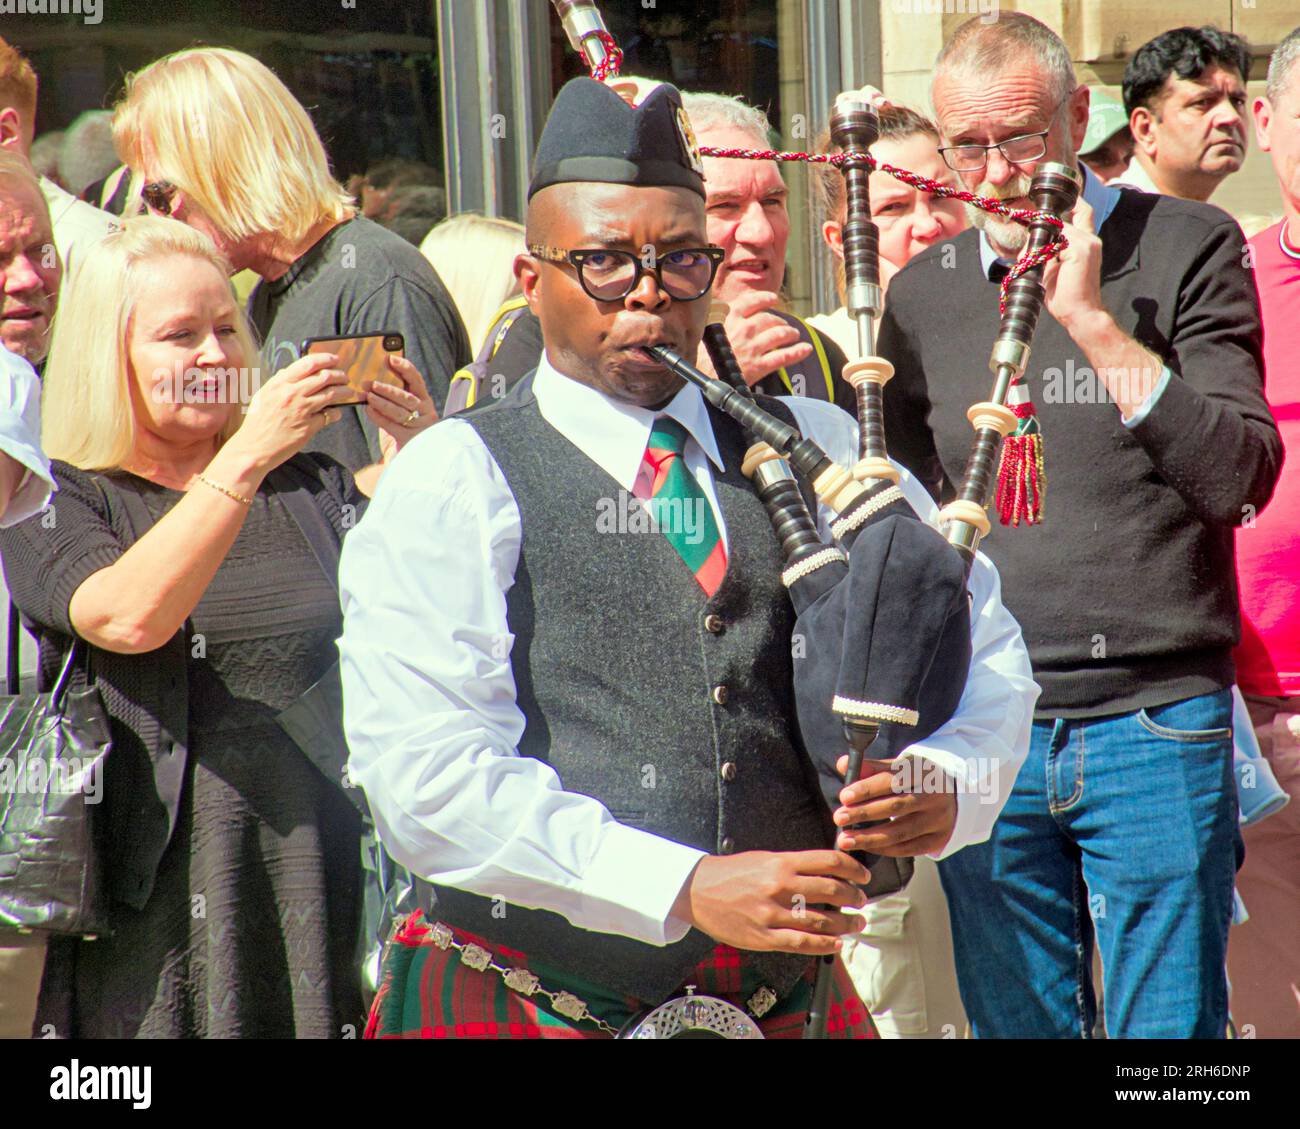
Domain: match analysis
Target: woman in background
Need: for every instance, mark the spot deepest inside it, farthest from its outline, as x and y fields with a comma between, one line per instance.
x=475, y=256
x=909, y=220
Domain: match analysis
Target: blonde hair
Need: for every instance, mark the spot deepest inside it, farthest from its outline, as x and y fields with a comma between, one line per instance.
x=474, y=256
x=87, y=413
x=227, y=132
x=17, y=81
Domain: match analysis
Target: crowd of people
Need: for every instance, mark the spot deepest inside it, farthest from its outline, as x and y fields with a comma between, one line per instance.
x=511, y=677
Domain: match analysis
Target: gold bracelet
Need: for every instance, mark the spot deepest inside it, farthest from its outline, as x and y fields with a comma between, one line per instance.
x=228, y=493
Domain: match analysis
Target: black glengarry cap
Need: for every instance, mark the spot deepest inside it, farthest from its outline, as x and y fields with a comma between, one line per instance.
x=593, y=136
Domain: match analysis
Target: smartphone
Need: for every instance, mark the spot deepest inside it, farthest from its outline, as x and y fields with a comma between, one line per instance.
x=362, y=357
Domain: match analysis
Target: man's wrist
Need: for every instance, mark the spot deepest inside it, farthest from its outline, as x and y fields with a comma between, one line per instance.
x=1093, y=329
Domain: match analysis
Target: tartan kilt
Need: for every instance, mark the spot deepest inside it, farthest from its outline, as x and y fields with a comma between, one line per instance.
x=427, y=993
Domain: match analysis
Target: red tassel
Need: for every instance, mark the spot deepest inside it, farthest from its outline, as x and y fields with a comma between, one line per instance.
x=1022, y=480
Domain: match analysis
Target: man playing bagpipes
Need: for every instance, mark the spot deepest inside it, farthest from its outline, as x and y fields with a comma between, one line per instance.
x=578, y=724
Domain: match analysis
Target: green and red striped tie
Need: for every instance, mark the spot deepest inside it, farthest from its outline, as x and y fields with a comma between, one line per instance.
x=678, y=505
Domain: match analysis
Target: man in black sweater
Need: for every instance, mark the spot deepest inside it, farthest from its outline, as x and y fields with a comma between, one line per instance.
x=1147, y=374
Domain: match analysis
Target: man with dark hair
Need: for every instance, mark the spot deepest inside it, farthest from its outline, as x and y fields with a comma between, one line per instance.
x=1185, y=93
x=414, y=210
x=1147, y=375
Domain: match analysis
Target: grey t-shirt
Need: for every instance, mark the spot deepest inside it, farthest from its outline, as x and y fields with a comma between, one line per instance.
x=361, y=278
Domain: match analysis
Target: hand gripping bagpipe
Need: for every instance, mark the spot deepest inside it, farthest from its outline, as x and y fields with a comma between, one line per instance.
x=882, y=615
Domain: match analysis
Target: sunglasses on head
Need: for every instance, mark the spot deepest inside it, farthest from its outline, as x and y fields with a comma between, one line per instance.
x=157, y=195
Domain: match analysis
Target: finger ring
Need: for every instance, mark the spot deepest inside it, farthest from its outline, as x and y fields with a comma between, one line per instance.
x=413, y=417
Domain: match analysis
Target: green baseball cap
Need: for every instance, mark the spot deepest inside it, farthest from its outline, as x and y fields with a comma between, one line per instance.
x=1106, y=117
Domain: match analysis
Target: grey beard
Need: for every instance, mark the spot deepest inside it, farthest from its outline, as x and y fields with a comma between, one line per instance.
x=1008, y=236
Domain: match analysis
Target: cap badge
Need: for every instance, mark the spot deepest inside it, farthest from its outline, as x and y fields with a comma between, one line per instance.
x=691, y=146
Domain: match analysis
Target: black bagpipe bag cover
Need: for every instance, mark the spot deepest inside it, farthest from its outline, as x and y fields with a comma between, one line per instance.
x=895, y=629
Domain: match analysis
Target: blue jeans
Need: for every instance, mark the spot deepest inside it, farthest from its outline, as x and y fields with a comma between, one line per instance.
x=1123, y=828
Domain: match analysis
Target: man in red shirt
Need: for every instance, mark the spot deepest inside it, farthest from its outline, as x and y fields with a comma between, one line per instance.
x=1263, y=959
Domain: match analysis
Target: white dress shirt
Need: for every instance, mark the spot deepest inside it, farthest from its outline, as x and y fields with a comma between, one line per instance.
x=20, y=437
x=1136, y=176
x=430, y=710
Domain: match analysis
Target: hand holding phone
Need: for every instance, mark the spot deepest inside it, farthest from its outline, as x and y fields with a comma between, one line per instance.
x=362, y=357
x=289, y=410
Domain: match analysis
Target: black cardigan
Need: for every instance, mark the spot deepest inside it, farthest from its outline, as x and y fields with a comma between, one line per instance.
x=1127, y=592
x=46, y=559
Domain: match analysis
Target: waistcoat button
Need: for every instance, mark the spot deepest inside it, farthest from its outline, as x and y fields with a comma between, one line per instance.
x=714, y=624
x=720, y=695
x=728, y=845
x=729, y=771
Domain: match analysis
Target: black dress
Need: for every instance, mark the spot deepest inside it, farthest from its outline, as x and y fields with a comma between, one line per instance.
x=250, y=929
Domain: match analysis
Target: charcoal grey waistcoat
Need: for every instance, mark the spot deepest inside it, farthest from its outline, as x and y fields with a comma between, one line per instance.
x=674, y=710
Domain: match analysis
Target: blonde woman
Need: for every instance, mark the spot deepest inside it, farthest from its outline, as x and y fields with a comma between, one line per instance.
x=177, y=552
x=475, y=256
x=221, y=144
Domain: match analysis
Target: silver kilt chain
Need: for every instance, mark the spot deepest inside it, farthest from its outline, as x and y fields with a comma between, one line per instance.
x=677, y=1017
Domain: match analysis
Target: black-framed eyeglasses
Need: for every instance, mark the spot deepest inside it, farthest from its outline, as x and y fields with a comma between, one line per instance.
x=1015, y=150
x=610, y=276
x=157, y=194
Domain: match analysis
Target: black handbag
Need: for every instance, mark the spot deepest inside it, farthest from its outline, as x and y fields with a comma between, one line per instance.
x=52, y=752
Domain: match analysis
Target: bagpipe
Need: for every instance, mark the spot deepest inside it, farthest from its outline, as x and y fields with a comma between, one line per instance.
x=882, y=612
